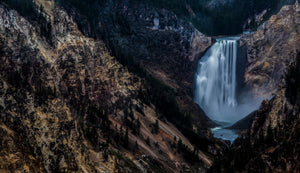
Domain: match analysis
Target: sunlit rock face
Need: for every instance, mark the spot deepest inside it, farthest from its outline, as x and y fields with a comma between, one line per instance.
x=274, y=131
x=40, y=86
x=63, y=106
x=271, y=144
x=271, y=49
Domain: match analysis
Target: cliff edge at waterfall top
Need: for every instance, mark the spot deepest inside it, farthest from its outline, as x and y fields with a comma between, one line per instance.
x=160, y=86
x=216, y=87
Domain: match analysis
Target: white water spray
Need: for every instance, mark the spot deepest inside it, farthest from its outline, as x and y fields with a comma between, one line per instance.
x=216, y=81
x=216, y=88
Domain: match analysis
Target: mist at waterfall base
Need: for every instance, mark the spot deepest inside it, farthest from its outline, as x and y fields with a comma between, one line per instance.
x=216, y=87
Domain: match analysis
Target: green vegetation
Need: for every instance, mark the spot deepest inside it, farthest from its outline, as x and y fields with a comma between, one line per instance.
x=189, y=155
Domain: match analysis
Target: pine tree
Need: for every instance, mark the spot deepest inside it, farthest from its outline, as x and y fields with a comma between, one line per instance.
x=155, y=127
x=136, y=145
x=148, y=141
x=126, y=140
x=138, y=126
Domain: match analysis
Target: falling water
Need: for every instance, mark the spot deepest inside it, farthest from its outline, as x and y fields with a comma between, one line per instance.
x=216, y=80
x=216, y=87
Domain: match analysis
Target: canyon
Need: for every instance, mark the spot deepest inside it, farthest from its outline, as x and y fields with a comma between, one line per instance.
x=116, y=92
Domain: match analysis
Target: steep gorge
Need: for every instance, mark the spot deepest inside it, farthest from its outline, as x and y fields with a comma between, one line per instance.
x=270, y=143
x=70, y=106
x=121, y=100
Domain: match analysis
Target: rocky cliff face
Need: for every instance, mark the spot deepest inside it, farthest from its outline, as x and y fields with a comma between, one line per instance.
x=271, y=49
x=70, y=106
x=165, y=47
x=271, y=144
x=75, y=103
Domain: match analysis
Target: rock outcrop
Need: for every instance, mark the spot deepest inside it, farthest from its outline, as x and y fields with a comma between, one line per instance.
x=166, y=46
x=156, y=40
x=271, y=49
x=271, y=144
x=70, y=106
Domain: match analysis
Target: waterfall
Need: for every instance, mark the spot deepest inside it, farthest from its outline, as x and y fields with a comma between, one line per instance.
x=216, y=80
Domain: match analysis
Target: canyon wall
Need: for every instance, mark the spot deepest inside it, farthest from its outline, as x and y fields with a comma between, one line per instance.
x=271, y=49
x=68, y=105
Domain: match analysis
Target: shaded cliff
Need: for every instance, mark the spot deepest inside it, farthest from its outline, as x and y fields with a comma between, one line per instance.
x=151, y=42
x=167, y=47
x=221, y=17
x=244, y=123
x=68, y=105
